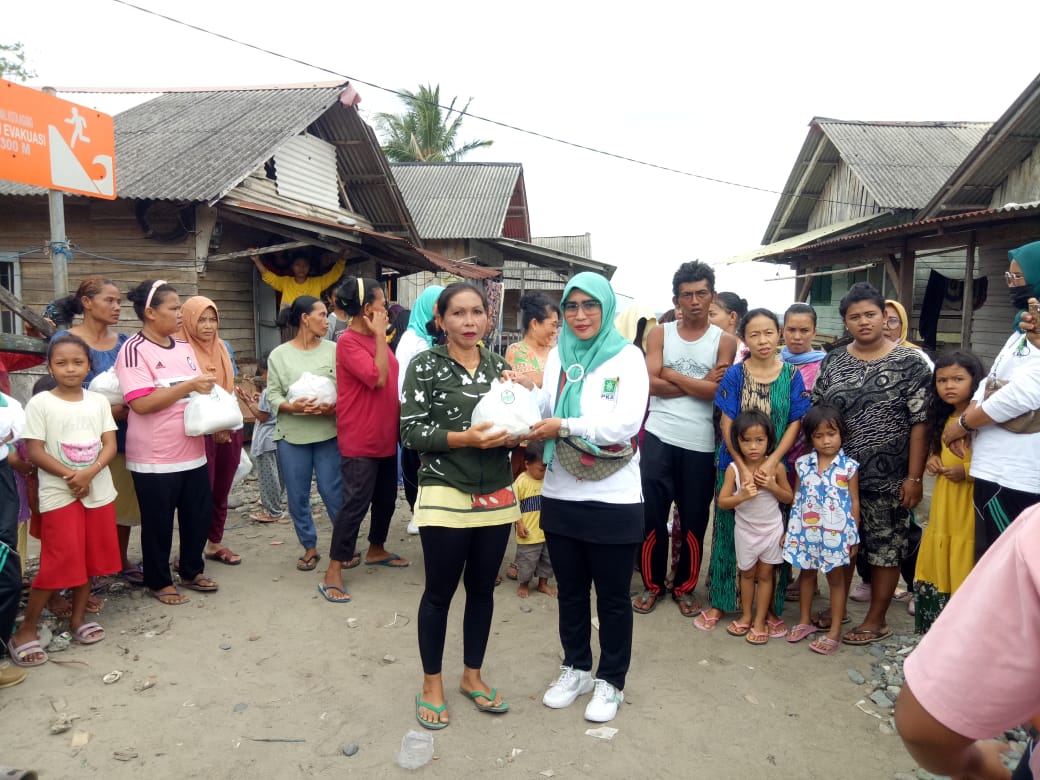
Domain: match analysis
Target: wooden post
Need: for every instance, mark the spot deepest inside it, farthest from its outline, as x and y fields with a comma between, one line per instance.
x=968, y=300
x=905, y=291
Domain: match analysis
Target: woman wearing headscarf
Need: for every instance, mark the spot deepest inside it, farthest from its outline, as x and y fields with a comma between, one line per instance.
x=201, y=320
x=1004, y=463
x=635, y=324
x=897, y=326
x=595, y=387
x=416, y=338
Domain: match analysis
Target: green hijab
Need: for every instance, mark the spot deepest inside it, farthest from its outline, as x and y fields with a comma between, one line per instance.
x=579, y=357
x=1028, y=257
x=422, y=312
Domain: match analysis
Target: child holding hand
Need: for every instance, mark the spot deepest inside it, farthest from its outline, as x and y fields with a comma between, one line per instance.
x=70, y=434
x=823, y=530
x=758, y=521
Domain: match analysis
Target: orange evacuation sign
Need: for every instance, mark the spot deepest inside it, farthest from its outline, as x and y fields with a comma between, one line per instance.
x=49, y=142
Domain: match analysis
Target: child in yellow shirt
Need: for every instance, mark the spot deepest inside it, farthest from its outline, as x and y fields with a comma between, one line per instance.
x=532, y=553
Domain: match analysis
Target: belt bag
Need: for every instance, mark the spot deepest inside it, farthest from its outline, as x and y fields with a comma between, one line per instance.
x=1024, y=423
x=585, y=460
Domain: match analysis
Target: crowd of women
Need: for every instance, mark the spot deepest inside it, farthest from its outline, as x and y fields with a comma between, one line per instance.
x=814, y=460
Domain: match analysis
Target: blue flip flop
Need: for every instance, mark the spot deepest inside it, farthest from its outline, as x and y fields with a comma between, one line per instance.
x=432, y=725
x=324, y=589
x=388, y=562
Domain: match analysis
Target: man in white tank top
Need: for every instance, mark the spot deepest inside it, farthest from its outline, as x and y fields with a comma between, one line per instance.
x=685, y=359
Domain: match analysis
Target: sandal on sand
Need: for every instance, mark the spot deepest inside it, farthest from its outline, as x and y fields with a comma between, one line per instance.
x=489, y=707
x=20, y=653
x=201, y=583
x=705, y=622
x=824, y=617
x=800, y=632
x=688, y=604
x=63, y=607
x=134, y=575
x=513, y=571
x=738, y=629
x=645, y=602
x=432, y=725
x=87, y=634
x=353, y=563
x=777, y=628
x=169, y=598
x=344, y=594
x=754, y=638
x=825, y=646
x=869, y=634
x=310, y=563
x=392, y=561
x=224, y=555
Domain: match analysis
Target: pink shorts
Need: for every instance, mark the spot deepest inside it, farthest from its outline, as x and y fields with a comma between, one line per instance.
x=757, y=544
x=77, y=543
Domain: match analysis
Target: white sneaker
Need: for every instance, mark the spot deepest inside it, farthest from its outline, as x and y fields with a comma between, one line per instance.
x=604, y=704
x=571, y=684
x=413, y=529
x=861, y=592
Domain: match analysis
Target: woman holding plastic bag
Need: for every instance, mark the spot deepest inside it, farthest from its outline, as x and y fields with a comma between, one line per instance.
x=466, y=504
x=224, y=448
x=596, y=389
x=301, y=388
x=157, y=373
x=99, y=301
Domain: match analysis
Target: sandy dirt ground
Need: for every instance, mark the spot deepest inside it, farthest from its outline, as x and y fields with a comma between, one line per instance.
x=266, y=679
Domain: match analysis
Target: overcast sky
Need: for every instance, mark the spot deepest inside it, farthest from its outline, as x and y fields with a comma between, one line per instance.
x=725, y=92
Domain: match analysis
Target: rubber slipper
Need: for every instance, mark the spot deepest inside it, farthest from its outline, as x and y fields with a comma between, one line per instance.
x=324, y=589
x=159, y=595
x=800, y=632
x=85, y=634
x=688, y=605
x=871, y=634
x=19, y=653
x=134, y=575
x=513, y=571
x=649, y=601
x=308, y=564
x=353, y=563
x=705, y=622
x=777, y=628
x=824, y=616
x=738, y=629
x=755, y=639
x=200, y=584
x=825, y=646
x=494, y=708
x=390, y=562
x=225, y=556
x=434, y=725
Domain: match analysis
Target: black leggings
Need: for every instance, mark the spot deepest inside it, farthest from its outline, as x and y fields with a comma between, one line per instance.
x=410, y=464
x=10, y=565
x=475, y=555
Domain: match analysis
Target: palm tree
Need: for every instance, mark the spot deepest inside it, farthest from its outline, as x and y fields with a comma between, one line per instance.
x=425, y=132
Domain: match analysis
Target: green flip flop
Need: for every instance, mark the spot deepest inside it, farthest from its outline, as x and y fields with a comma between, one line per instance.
x=429, y=724
x=495, y=708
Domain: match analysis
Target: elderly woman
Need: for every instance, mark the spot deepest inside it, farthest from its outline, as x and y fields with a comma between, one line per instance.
x=1003, y=461
x=596, y=389
x=305, y=431
x=882, y=390
x=540, y=320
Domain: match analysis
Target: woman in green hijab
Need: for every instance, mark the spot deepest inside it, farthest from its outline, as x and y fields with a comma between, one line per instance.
x=595, y=388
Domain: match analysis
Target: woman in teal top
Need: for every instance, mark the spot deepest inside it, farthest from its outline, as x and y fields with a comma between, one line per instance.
x=305, y=431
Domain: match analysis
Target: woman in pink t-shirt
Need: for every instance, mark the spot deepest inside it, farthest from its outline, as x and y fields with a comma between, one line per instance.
x=157, y=373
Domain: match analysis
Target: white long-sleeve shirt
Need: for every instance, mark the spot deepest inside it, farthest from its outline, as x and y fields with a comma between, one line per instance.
x=613, y=403
x=1010, y=459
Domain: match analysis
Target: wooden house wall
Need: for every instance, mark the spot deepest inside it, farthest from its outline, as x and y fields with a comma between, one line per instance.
x=843, y=197
x=107, y=228
x=992, y=324
x=1022, y=184
x=950, y=265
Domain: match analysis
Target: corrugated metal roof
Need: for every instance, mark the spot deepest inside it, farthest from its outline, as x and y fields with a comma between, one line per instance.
x=197, y=145
x=564, y=263
x=1009, y=141
x=901, y=164
x=803, y=239
x=573, y=245
x=458, y=200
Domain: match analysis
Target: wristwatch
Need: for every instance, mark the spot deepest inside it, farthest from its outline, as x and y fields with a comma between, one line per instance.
x=564, y=431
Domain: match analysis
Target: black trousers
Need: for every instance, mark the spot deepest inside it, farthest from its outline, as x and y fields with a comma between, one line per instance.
x=578, y=566
x=366, y=482
x=10, y=564
x=996, y=507
x=474, y=555
x=160, y=495
x=671, y=473
x=410, y=474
